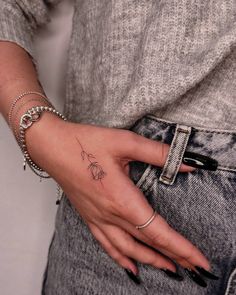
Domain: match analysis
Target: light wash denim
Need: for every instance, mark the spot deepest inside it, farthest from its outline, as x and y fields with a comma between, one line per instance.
x=200, y=205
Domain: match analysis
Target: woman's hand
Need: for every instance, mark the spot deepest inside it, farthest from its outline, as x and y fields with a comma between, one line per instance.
x=91, y=165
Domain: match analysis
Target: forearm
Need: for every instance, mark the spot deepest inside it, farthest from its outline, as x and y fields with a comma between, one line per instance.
x=17, y=75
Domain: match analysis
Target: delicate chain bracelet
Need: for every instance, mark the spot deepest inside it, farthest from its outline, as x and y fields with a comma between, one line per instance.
x=31, y=116
x=14, y=128
x=20, y=97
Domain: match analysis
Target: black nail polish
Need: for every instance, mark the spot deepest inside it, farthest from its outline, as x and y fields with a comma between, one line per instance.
x=206, y=273
x=133, y=277
x=199, y=161
x=195, y=277
x=172, y=275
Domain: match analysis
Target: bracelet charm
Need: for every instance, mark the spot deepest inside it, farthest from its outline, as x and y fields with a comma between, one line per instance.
x=28, y=119
x=32, y=115
x=19, y=98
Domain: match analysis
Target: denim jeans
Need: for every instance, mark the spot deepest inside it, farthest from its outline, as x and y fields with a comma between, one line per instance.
x=200, y=205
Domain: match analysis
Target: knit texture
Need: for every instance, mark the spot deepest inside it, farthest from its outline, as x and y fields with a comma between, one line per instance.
x=175, y=59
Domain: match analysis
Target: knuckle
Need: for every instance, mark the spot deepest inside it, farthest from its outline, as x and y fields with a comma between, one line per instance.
x=127, y=249
x=129, y=135
x=132, y=140
x=110, y=250
x=120, y=209
x=137, y=140
x=192, y=251
x=104, y=217
x=110, y=209
x=121, y=261
x=160, y=239
x=149, y=259
x=124, y=136
x=115, y=255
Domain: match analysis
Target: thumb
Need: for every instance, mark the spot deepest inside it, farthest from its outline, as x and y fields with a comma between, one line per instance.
x=150, y=151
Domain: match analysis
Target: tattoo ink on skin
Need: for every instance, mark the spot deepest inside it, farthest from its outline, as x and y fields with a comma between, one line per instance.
x=95, y=169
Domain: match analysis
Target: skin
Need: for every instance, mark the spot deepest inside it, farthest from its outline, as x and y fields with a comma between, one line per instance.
x=105, y=197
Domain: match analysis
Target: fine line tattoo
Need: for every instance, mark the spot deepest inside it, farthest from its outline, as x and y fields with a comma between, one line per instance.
x=95, y=169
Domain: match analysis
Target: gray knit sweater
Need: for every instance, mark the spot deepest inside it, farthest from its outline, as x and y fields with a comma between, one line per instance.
x=175, y=59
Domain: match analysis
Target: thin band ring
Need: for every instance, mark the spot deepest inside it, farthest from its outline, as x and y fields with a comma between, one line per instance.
x=147, y=222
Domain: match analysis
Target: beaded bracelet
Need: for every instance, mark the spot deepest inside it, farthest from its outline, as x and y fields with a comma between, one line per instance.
x=31, y=116
x=20, y=97
x=14, y=128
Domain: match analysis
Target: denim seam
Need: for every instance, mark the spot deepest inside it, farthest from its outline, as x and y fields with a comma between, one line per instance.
x=144, y=176
x=226, y=168
x=148, y=180
x=180, y=140
x=198, y=129
x=209, y=131
x=231, y=286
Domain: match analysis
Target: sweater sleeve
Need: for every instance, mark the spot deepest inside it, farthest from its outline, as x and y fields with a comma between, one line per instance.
x=19, y=20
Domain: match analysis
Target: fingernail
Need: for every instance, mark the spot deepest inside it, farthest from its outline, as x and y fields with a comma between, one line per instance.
x=206, y=273
x=199, y=161
x=195, y=277
x=132, y=276
x=172, y=275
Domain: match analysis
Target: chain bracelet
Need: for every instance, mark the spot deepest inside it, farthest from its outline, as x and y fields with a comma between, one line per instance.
x=18, y=110
x=20, y=97
x=31, y=116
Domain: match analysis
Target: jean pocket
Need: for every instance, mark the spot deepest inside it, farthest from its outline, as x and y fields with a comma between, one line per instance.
x=231, y=285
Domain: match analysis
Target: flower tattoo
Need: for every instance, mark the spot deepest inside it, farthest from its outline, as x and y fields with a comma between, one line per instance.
x=95, y=169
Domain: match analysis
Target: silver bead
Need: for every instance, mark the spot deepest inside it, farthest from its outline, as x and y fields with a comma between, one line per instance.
x=22, y=143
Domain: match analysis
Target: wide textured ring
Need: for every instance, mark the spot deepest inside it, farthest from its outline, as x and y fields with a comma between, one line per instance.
x=147, y=222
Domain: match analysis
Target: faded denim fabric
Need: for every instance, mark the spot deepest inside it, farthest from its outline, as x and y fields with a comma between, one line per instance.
x=201, y=205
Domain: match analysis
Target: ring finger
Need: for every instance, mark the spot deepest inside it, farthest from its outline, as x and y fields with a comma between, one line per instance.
x=130, y=247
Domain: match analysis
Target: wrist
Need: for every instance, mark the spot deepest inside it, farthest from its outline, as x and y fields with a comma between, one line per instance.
x=42, y=138
x=18, y=108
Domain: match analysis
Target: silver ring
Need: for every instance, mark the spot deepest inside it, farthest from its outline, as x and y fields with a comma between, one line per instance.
x=147, y=222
